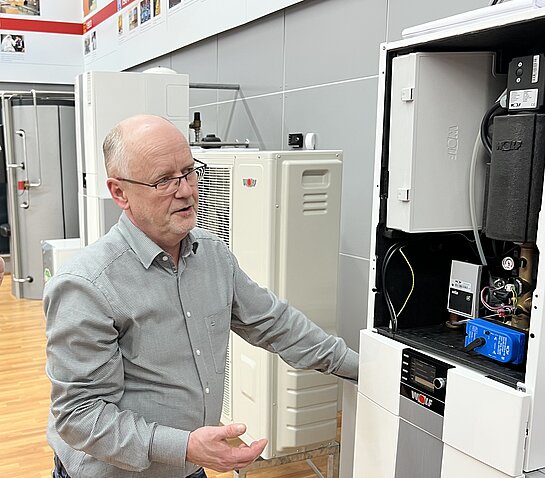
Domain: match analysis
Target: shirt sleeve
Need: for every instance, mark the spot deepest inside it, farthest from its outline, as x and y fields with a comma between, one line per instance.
x=264, y=320
x=85, y=367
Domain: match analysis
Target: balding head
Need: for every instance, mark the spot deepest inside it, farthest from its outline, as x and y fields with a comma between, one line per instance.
x=133, y=136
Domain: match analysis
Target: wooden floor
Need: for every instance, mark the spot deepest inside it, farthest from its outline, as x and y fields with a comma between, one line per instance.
x=24, y=397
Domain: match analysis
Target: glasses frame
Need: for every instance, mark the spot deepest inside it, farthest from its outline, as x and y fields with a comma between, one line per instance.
x=200, y=170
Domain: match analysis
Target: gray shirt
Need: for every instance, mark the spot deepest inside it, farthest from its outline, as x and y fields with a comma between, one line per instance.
x=137, y=345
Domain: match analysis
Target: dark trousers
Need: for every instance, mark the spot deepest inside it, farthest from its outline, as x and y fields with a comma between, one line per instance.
x=60, y=472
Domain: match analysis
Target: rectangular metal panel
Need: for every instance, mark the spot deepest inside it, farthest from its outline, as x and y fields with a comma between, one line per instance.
x=352, y=298
x=328, y=111
x=419, y=454
x=457, y=464
x=486, y=420
x=377, y=432
x=380, y=370
x=261, y=43
x=329, y=30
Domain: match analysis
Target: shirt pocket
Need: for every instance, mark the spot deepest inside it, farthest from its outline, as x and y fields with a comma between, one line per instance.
x=218, y=326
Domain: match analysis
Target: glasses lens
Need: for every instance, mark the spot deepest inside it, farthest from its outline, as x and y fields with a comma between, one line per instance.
x=169, y=186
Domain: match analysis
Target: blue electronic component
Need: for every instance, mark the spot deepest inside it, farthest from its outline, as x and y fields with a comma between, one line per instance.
x=495, y=341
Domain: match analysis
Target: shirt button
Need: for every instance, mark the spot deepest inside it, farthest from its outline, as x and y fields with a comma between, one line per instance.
x=188, y=314
x=207, y=390
x=165, y=258
x=198, y=352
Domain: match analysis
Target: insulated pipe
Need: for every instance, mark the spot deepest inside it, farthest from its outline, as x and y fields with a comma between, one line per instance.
x=215, y=86
x=218, y=144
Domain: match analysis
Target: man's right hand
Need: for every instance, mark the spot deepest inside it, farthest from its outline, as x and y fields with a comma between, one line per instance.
x=208, y=447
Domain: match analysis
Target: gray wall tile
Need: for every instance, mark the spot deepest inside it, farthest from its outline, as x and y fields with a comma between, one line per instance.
x=352, y=298
x=200, y=62
x=331, y=40
x=258, y=119
x=253, y=57
x=343, y=117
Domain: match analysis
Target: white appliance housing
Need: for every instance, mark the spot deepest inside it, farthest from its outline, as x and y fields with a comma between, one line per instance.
x=490, y=423
x=279, y=212
x=430, y=155
x=104, y=99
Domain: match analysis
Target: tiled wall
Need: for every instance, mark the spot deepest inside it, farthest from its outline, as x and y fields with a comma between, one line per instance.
x=310, y=68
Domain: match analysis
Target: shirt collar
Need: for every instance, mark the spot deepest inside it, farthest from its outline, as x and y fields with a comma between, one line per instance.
x=145, y=249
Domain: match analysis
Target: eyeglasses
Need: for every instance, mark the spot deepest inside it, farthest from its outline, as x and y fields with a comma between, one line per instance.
x=168, y=186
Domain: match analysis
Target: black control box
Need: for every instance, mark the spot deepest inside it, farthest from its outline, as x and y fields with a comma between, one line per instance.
x=295, y=140
x=526, y=83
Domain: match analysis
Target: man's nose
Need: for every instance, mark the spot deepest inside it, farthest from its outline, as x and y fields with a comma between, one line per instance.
x=184, y=189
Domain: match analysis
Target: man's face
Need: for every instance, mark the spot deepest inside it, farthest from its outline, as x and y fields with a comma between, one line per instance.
x=164, y=219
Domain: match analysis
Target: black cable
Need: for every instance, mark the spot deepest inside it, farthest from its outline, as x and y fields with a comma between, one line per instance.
x=485, y=125
x=389, y=253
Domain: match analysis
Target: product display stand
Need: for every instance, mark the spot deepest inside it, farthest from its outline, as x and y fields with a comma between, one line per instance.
x=330, y=449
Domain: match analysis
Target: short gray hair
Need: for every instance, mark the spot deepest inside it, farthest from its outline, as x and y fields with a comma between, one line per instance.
x=116, y=159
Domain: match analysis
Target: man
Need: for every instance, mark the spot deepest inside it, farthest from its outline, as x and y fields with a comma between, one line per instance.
x=138, y=326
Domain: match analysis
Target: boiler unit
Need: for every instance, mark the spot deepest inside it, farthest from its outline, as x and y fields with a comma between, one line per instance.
x=451, y=363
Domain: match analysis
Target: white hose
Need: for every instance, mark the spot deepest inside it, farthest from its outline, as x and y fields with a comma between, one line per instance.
x=474, y=156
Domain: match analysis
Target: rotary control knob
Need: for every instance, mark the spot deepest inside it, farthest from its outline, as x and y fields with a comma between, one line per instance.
x=439, y=383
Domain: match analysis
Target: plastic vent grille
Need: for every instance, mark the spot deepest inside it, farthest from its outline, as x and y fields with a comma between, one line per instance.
x=214, y=212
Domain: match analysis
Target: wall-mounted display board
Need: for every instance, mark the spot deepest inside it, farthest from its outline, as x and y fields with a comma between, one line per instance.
x=124, y=33
x=40, y=41
x=52, y=41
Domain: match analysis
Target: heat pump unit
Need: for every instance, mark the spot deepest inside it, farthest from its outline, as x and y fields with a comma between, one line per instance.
x=279, y=212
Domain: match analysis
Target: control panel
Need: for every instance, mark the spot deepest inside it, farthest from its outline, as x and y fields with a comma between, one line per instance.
x=424, y=380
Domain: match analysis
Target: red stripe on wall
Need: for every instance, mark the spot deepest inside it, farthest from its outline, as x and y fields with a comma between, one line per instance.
x=42, y=26
x=99, y=17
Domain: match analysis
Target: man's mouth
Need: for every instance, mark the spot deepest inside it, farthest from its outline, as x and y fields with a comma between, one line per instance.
x=184, y=209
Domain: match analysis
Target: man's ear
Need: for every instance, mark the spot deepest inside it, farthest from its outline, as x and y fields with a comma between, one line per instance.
x=117, y=193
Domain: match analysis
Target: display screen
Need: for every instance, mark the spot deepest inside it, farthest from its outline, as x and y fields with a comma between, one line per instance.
x=422, y=373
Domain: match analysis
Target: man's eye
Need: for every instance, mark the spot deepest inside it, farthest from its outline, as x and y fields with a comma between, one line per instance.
x=162, y=181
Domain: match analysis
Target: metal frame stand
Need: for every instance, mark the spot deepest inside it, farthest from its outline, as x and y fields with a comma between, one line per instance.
x=331, y=450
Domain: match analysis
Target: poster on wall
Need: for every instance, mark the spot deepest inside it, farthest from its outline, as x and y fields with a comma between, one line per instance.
x=136, y=16
x=12, y=43
x=20, y=7
x=90, y=43
x=89, y=6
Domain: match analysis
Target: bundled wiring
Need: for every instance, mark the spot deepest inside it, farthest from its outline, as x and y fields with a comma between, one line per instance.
x=412, y=285
x=391, y=309
x=503, y=309
x=494, y=110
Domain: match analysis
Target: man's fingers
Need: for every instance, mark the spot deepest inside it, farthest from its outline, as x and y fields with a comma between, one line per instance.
x=245, y=455
x=232, y=431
